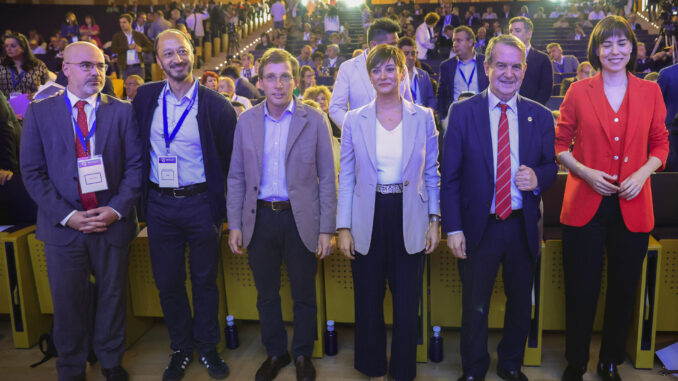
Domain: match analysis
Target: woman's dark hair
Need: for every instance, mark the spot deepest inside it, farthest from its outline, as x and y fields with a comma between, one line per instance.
x=332, y=12
x=384, y=53
x=29, y=59
x=268, y=38
x=94, y=22
x=606, y=28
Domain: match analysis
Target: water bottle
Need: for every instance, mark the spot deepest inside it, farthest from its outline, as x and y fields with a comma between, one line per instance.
x=436, y=346
x=232, y=339
x=331, y=344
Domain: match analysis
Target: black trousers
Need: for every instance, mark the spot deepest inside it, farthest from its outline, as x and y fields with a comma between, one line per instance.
x=172, y=224
x=387, y=260
x=75, y=329
x=583, y=251
x=505, y=243
x=276, y=239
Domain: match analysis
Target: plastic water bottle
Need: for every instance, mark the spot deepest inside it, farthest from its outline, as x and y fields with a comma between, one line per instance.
x=436, y=346
x=232, y=339
x=331, y=344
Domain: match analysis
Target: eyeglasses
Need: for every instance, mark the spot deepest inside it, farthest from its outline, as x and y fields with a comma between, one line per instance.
x=87, y=66
x=285, y=79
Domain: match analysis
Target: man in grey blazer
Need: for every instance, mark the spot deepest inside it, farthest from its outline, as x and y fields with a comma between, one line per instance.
x=562, y=64
x=86, y=228
x=281, y=204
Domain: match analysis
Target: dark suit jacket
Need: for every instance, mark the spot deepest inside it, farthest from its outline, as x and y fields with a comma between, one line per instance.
x=428, y=96
x=244, y=88
x=454, y=21
x=538, y=81
x=468, y=170
x=108, y=83
x=216, y=122
x=48, y=167
x=119, y=46
x=448, y=70
x=10, y=129
x=565, y=84
x=668, y=83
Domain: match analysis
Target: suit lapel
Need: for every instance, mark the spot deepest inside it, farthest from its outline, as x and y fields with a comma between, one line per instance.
x=296, y=126
x=525, y=125
x=257, y=134
x=633, y=91
x=596, y=93
x=409, y=126
x=65, y=126
x=484, y=130
x=368, y=124
x=103, y=121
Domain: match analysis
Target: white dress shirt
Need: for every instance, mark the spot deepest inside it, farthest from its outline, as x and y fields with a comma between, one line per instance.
x=273, y=185
x=130, y=41
x=186, y=144
x=470, y=70
x=389, y=154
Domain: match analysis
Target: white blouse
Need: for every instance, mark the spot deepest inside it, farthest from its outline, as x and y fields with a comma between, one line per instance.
x=389, y=154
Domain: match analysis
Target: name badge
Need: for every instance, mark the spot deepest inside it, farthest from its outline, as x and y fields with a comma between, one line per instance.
x=168, y=172
x=91, y=174
x=14, y=95
x=131, y=55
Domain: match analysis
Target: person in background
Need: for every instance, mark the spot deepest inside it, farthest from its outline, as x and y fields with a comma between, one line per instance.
x=321, y=95
x=561, y=23
x=668, y=83
x=489, y=14
x=128, y=45
x=247, y=62
x=561, y=63
x=540, y=13
x=538, y=81
x=584, y=70
x=195, y=23
x=238, y=107
x=132, y=83
x=618, y=121
x=420, y=82
x=210, y=80
x=524, y=11
x=158, y=25
x=243, y=87
x=20, y=71
x=388, y=233
x=332, y=23
x=227, y=88
x=306, y=80
x=426, y=37
x=264, y=42
x=577, y=33
x=91, y=30
x=278, y=13
x=305, y=57
x=69, y=29
x=332, y=59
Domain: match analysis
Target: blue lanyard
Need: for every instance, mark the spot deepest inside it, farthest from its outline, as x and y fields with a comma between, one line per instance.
x=414, y=87
x=177, y=127
x=83, y=140
x=560, y=67
x=473, y=72
x=16, y=82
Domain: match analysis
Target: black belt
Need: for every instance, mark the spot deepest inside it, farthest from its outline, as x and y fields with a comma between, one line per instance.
x=274, y=205
x=181, y=192
x=514, y=213
x=134, y=65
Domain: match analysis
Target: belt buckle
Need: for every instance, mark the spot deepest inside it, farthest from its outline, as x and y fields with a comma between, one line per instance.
x=175, y=194
x=273, y=206
x=496, y=217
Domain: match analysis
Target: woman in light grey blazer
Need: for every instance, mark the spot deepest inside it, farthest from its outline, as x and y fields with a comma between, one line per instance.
x=388, y=212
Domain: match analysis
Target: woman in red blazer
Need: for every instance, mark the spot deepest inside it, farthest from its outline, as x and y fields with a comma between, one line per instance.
x=617, y=123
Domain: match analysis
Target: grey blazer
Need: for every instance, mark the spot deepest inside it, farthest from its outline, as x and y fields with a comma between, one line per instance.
x=358, y=174
x=48, y=167
x=309, y=170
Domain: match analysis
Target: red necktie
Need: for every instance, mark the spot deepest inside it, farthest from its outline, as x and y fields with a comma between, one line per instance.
x=89, y=200
x=502, y=199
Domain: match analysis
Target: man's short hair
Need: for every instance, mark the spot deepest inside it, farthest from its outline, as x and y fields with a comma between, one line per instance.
x=406, y=41
x=334, y=46
x=469, y=32
x=583, y=65
x=553, y=45
x=317, y=54
x=506, y=39
x=526, y=22
x=275, y=55
x=448, y=28
x=126, y=16
x=431, y=18
x=641, y=43
x=230, y=71
x=307, y=46
x=250, y=56
x=381, y=27
x=137, y=78
x=159, y=13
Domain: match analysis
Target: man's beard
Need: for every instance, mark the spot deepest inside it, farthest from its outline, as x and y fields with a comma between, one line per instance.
x=179, y=78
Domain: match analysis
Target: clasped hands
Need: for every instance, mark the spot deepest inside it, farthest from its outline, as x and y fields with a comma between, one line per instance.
x=92, y=221
x=628, y=189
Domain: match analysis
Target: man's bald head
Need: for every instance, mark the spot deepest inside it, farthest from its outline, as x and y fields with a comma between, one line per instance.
x=85, y=68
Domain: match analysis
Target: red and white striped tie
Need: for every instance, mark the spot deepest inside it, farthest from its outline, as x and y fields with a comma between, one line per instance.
x=502, y=199
x=89, y=200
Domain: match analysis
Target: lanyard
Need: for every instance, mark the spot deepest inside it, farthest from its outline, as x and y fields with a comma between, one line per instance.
x=177, y=127
x=473, y=72
x=560, y=66
x=83, y=140
x=16, y=82
x=415, y=85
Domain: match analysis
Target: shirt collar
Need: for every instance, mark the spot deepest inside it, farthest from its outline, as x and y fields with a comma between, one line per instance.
x=91, y=100
x=472, y=61
x=288, y=110
x=188, y=95
x=493, y=100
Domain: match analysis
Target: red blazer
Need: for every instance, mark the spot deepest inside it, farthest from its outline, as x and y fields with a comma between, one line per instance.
x=583, y=118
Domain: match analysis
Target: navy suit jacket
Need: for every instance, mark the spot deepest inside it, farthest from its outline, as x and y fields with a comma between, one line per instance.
x=428, y=97
x=538, y=82
x=668, y=83
x=216, y=124
x=49, y=170
x=468, y=170
x=244, y=88
x=448, y=69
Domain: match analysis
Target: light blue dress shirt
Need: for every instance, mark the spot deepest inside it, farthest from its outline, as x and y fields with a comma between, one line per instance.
x=273, y=185
x=186, y=144
x=459, y=85
x=512, y=115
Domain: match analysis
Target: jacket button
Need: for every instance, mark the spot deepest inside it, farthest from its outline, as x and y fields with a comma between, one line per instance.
x=252, y=211
x=616, y=157
x=626, y=159
x=255, y=188
x=407, y=182
x=616, y=138
x=75, y=178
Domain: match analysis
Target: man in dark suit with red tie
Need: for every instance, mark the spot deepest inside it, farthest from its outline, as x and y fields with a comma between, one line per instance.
x=81, y=163
x=499, y=158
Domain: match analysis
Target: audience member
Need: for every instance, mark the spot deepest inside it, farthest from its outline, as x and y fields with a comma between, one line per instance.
x=195, y=23
x=584, y=70
x=445, y=39
x=561, y=23
x=332, y=59
x=127, y=45
x=426, y=37
x=304, y=58
x=158, y=25
x=20, y=71
x=242, y=87
x=331, y=21
x=597, y=13
x=306, y=80
x=132, y=83
x=69, y=29
x=318, y=65
x=489, y=14
x=538, y=81
x=210, y=80
x=463, y=72
x=91, y=30
x=420, y=82
x=506, y=13
x=481, y=41
x=525, y=12
x=578, y=32
x=668, y=83
x=561, y=63
x=264, y=42
x=238, y=107
x=278, y=13
x=36, y=48
x=540, y=13
x=227, y=88
x=556, y=12
x=448, y=18
x=247, y=61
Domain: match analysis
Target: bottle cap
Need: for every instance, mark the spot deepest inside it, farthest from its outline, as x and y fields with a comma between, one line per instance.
x=436, y=329
x=229, y=318
x=330, y=323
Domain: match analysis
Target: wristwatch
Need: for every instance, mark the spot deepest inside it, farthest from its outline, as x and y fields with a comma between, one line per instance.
x=434, y=218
